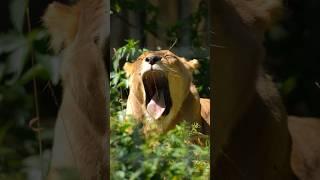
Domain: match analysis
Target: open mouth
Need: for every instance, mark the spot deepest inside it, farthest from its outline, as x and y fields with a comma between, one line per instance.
x=158, y=100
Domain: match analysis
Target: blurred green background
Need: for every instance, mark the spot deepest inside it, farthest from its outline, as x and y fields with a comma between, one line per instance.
x=22, y=41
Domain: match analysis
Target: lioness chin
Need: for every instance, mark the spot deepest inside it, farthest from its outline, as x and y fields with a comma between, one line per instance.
x=162, y=93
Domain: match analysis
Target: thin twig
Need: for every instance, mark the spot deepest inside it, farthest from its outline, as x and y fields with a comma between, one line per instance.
x=31, y=125
x=53, y=95
x=35, y=93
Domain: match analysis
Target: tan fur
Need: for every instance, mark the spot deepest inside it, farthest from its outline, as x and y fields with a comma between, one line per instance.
x=185, y=98
x=251, y=135
x=205, y=109
x=305, y=159
x=62, y=23
x=80, y=132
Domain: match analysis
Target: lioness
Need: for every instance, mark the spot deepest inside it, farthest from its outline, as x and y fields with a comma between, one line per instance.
x=162, y=93
x=252, y=139
x=78, y=34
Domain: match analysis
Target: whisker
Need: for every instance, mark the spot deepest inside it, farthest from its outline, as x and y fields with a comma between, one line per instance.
x=174, y=43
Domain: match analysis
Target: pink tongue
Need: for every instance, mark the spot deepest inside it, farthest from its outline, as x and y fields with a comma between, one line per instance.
x=156, y=106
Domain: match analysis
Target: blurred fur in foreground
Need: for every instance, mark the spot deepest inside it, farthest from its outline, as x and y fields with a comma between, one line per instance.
x=251, y=131
x=78, y=33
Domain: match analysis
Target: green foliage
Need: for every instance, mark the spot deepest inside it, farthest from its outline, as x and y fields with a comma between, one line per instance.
x=128, y=52
x=17, y=49
x=160, y=156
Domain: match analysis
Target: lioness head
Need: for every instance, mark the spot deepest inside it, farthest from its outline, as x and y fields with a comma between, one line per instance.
x=160, y=83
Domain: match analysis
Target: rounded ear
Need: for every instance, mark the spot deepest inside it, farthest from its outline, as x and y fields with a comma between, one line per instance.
x=193, y=64
x=128, y=68
x=61, y=22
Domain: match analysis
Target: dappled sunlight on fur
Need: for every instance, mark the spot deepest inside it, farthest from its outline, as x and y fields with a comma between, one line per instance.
x=183, y=94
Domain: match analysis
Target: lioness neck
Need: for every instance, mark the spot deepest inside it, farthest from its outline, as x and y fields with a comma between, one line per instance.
x=190, y=109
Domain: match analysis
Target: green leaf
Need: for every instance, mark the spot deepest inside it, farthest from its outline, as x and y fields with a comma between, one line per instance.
x=128, y=52
x=51, y=64
x=36, y=35
x=117, y=8
x=10, y=41
x=288, y=85
x=16, y=61
x=36, y=71
x=17, y=13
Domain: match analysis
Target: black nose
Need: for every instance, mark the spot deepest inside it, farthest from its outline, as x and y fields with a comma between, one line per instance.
x=153, y=59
